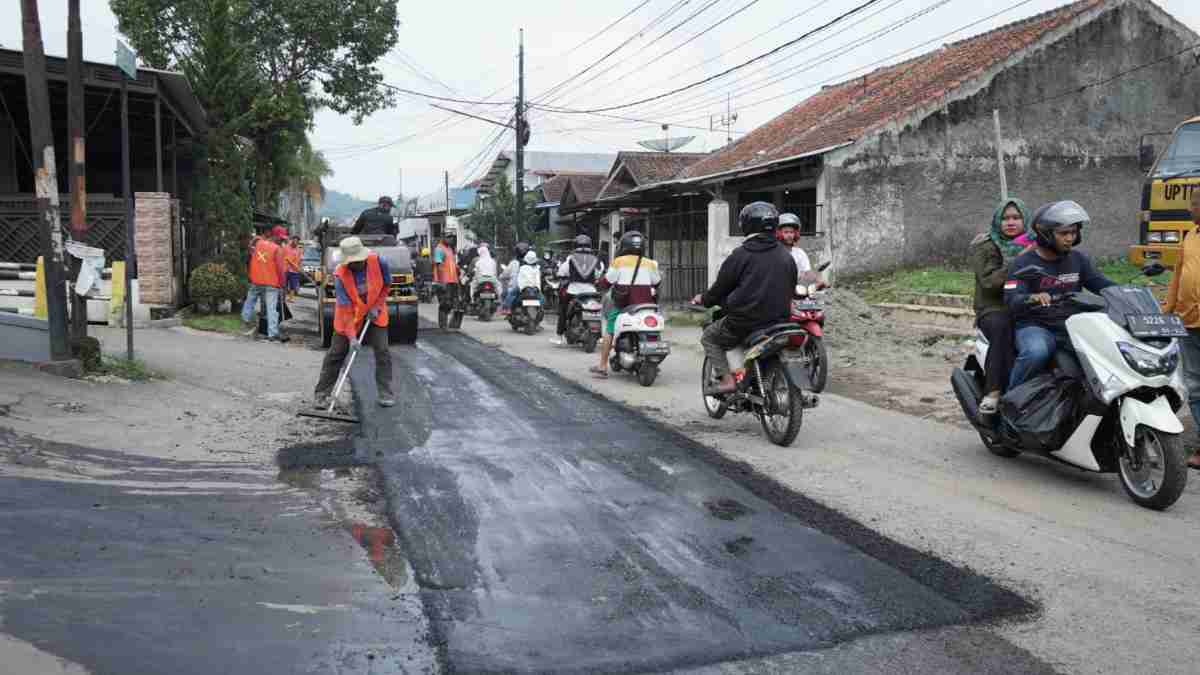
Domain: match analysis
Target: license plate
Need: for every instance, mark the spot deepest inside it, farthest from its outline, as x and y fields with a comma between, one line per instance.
x=487, y=296
x=531, y=303
x=1156, y=325
x=591, y=316
x=655, y=347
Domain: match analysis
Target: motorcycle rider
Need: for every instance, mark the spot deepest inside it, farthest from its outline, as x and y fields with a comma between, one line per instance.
x=377, y=220
x=483, y=266
x=580, y=269
x=788, y=233
x=633, y=271
x=510, y=274
x=754, y=286
x=1040, y=327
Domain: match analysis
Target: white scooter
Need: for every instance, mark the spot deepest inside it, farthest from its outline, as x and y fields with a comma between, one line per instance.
x=1127, y=386
x=638, y=346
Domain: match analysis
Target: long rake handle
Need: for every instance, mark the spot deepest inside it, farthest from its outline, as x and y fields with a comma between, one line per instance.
x=341, y=381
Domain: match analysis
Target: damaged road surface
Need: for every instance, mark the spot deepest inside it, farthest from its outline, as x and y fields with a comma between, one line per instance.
x=551, y=530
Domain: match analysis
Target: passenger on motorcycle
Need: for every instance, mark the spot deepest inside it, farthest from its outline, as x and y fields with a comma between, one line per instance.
x=1040, y=325
x=633, y=278
x=581, y=269
x=788, y=234
x=754, y=287
x=991, y=253
x=512, y=272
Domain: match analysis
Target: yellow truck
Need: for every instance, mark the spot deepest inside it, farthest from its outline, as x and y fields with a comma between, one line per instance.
x=402, y=295
x=1171, y=178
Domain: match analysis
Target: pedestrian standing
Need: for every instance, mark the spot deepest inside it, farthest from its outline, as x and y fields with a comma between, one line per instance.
x=292, y=257
x=1183, y=298
x=267, y=272
x=361, y=283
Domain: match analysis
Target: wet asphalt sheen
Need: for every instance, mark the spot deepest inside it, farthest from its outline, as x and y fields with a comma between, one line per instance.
x=551, y=530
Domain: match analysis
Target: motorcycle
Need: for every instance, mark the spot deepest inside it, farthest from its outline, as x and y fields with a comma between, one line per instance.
x=771, y=376
x=550, y=286
x=527, y=311
x=638, y=346
x=483, y=304
x=809, y=314
x=583, y=320
x=1121, y=386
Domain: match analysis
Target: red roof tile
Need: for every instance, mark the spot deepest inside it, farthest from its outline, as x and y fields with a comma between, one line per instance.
x=652, y=167
x=849, y=110
x=586, y=187
x=552, y=190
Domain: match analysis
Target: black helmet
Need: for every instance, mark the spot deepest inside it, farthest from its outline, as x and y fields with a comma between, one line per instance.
x=632, y=243
x=520, y=250
x=1057, y=215
x=758, y=217
x=583, y=241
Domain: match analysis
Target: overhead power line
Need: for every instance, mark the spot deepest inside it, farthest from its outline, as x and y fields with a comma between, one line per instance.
x=435, y=97
x=733, y=69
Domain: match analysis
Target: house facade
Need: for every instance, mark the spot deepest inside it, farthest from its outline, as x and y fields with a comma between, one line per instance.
x=899, y=167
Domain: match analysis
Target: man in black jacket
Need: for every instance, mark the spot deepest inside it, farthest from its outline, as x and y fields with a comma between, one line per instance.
x=754, y=287
x=377, y=220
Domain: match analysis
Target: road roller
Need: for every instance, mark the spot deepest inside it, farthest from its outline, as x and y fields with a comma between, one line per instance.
x=402, y=296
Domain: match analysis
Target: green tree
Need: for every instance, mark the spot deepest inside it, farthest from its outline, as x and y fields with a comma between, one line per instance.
x=497, y=213
x=306, y=191
x=304, y=54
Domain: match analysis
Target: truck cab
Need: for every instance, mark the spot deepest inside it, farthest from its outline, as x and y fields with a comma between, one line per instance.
x=1171, y=178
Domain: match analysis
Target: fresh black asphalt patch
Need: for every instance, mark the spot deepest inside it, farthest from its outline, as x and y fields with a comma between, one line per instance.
x=552, y=530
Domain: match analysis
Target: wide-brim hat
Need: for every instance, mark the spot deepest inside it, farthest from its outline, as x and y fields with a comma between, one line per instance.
x=353, y=250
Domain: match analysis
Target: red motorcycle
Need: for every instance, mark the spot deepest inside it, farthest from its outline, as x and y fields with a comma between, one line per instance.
x=809, y=314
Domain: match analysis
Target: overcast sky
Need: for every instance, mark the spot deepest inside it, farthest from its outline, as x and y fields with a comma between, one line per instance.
x=468, y=50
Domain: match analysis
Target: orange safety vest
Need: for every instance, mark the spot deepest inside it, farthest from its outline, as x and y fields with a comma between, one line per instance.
x=292, y=255
x=446, y=272
x=263, y=268
x=346, y=318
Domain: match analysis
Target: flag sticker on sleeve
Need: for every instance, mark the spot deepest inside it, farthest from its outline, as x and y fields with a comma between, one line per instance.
x=1010, y=285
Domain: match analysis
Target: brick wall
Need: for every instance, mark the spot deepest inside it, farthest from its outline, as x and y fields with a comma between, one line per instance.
x=921, y=190
x=155, y=257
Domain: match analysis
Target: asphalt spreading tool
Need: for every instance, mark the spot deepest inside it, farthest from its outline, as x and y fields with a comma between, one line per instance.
x=329, y=413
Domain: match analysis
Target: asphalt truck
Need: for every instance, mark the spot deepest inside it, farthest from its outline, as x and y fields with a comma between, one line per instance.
x=1171, y=178
x=402, y=295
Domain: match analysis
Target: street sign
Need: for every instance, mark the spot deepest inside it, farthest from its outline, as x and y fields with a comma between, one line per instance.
x=126, y=60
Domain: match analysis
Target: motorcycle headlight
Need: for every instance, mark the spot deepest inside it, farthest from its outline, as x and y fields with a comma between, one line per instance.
x=1150, y=363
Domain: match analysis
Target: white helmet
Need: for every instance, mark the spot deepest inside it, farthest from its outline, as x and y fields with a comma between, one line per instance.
x=531, y=258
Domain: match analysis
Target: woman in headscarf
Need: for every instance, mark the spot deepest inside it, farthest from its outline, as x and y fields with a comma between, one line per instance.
x=991, y=253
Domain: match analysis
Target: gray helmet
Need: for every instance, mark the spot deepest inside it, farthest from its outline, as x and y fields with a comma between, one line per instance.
x=1057, y=215
x=789, y=220
x=583, y=241
x=632, y=243
x=758, y=217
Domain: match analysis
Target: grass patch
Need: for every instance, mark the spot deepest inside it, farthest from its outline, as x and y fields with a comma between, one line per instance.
x=217, y=323
x=895, y=285
x=126, y=369
x=685, y=317
x=1122, y=271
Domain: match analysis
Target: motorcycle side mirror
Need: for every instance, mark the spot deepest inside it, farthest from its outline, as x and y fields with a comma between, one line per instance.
x=1146, y=157
x=1153, y=269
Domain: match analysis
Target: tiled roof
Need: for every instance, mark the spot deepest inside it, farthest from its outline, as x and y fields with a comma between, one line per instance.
x=552, y=190
x=848, y=111
x=586, y=187
x=652, y=167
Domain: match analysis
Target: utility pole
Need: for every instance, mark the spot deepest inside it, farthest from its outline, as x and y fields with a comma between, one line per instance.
x=127, y=61
x=726, y=121
x=76, y=164
x=446, y=227
x=1000, y=156
x=45, y=178
x=522, y=138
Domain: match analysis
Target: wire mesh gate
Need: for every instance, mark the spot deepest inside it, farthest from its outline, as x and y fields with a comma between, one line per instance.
x=678, y=235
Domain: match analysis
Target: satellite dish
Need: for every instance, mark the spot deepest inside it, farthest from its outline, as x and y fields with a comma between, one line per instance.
x=666, y=144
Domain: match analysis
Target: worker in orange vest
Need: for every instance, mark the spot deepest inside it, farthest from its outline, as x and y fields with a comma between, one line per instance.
x=292, y=258
x=267, y=271
x=446, y=281
x=361, y=282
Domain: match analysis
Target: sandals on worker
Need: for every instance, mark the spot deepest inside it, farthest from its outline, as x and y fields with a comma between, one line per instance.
x=598, y=372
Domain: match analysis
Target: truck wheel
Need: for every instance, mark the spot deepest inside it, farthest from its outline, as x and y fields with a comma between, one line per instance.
x=402, y=324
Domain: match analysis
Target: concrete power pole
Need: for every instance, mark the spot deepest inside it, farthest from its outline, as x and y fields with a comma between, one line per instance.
x=77, y=161
x=45, y=177
x=1000, y=156
x=522, y=137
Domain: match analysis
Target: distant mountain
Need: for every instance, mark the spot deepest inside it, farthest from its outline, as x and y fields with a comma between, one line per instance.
x=341, y=206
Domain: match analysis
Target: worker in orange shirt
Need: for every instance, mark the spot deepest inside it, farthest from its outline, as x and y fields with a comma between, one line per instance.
x=446, y=282
x=291, y=256
x=267, y=272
